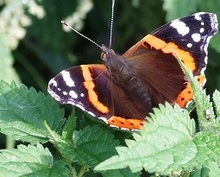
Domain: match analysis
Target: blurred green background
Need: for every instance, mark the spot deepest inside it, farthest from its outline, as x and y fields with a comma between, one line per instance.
x=34, y=45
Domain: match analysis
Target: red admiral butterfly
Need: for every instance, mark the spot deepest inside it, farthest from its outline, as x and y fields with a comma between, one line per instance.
x=124, y=90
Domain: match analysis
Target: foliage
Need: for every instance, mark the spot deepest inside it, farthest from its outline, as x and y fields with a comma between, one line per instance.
x=34, y=47
x=30, y=161
x=169, y=143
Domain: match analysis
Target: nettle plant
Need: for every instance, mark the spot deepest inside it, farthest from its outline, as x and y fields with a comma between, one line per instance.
x=169, y=144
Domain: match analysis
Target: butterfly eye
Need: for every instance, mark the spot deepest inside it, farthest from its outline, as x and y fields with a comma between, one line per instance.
x=103, y=55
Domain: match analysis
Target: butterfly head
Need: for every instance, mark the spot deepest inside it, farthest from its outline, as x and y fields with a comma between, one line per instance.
x=109, y=57
x=106, y=53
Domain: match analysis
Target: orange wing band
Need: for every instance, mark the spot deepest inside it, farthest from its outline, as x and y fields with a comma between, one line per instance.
x=172, y=48
x=93, y=98
x=131, y=124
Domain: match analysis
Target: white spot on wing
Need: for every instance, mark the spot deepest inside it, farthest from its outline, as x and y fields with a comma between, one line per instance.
x=198, y=16
x=201, y=30
x=189, y=45
x=180, y=27
x=82, y=94
x=73, y=94
x=65, y=93
x=68, y=80
x=196, y=37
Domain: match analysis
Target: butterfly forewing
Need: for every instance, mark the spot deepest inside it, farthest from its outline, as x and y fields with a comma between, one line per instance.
x=78, y=86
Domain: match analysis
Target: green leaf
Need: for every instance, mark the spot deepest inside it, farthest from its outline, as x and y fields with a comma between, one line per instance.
x=216, y=99
x=63, y=145
x=208, y=148
x=162, y=145
x=210, y=169
x=208, y=152
x=93, y=145
x=69, y=127
x=203, y=172
x=23, y=112
x=120, y=173
x=203, y=105
x=28, y=161
x=88, y=147
x=167, y=144
x=214, y=168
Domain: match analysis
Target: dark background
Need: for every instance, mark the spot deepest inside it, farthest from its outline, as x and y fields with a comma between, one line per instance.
x=46, y=48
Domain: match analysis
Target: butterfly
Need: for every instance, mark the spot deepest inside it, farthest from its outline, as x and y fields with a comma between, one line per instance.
x=123, y=90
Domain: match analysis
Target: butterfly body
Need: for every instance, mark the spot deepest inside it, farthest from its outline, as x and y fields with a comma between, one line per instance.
x=123, y=90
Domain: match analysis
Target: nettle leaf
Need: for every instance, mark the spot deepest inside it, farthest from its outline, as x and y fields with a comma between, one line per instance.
x=208, y=148
x=120, y=173
x=203, y=105
x=216, y=99
x=23, y=112
x=164, y=145
x=88, y=147
x=212, y=169
x=69, y=127
x=30, y=161
x=208, y=157
x=168, y=144
x=94, y=144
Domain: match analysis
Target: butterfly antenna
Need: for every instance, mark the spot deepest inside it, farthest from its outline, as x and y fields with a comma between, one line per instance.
x=63, y=22
x=111, y=24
